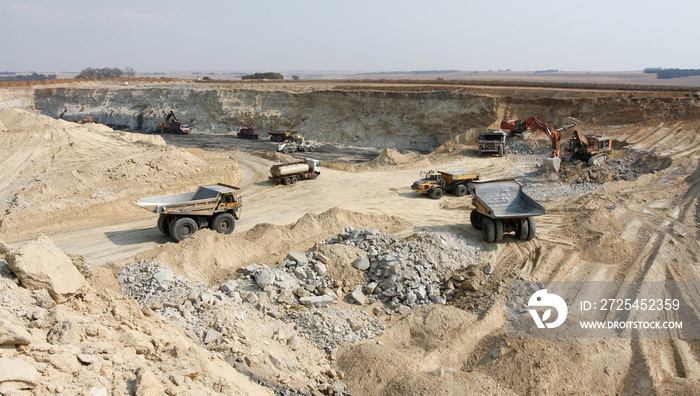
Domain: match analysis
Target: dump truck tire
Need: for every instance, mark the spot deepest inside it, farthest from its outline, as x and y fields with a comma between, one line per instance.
x=476, y=219
x=437, y=193
x=223, y=223
x=286, y=181
x=183, y=228
x=294, y=180
x=531, y=228
x=163, y=224
x=522, y=229
x=488, y=229
x=461, y=190
x=499, y=230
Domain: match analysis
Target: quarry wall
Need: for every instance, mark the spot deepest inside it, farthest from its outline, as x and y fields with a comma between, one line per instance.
x=381, y=116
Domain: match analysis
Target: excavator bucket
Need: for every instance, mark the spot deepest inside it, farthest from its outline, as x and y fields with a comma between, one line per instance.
x=551, y=165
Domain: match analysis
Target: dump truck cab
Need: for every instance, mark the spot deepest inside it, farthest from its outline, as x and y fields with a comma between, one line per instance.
x=428, y=184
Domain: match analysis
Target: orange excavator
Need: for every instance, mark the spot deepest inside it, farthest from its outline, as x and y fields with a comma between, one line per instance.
x=553, y=162
x=515, y=127
x=172, y=125
x=591, y=149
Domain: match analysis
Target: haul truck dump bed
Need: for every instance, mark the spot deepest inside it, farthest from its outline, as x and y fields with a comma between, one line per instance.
x=502, y=206
x=504, y=199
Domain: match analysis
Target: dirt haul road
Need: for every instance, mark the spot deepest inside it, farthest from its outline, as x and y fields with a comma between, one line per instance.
x=378, y=191
x=636, y=218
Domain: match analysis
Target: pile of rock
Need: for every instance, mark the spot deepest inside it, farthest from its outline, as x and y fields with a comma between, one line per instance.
x=521, y=147
x=551, y=190
x=172, y=296
x=401, y=273
x=328, y=327
x=298, y=279
x=404, y=273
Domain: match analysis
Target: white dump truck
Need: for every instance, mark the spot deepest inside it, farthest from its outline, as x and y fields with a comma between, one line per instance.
x=291, y=172
x=502, y=206
x=181, y=215
x=297, y=143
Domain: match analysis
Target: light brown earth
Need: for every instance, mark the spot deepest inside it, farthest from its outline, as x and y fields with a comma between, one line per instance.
x=78, y=184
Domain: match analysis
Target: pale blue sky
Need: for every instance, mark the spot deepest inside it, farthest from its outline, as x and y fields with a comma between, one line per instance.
x=389, y=35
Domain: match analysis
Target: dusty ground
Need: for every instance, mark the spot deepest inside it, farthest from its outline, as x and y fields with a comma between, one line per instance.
x=636, y=219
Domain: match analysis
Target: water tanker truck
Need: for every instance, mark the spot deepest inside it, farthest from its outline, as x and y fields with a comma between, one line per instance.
x=291, y=172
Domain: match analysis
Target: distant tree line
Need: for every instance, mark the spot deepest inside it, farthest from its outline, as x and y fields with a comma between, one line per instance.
x=412, y=72
x=672, y=73
x=676, y=73
x=106, y=72
x=263, y=76
x=547, y=71
x=27, y=77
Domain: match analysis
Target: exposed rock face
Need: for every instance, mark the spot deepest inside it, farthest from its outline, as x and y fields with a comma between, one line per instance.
x=381, y=116
x=39, y=264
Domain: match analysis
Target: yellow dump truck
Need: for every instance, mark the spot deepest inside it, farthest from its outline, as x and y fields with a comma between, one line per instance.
x=281, y=136
x=437, y=183
x=181, y=215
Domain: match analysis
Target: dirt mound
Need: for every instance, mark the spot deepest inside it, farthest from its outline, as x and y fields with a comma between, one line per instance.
x=275, y=156
x=457, y=144
x=430, y=339
x=395, y=157
x=389, y=158
x=57, y=175
x=212, y=257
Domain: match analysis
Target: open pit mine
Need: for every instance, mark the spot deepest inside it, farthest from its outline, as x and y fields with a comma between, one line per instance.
x=350, y=282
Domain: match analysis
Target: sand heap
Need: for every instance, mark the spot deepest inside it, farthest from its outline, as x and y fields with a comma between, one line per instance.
x=57, y=175
x=211, y=257
x=389, y=158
